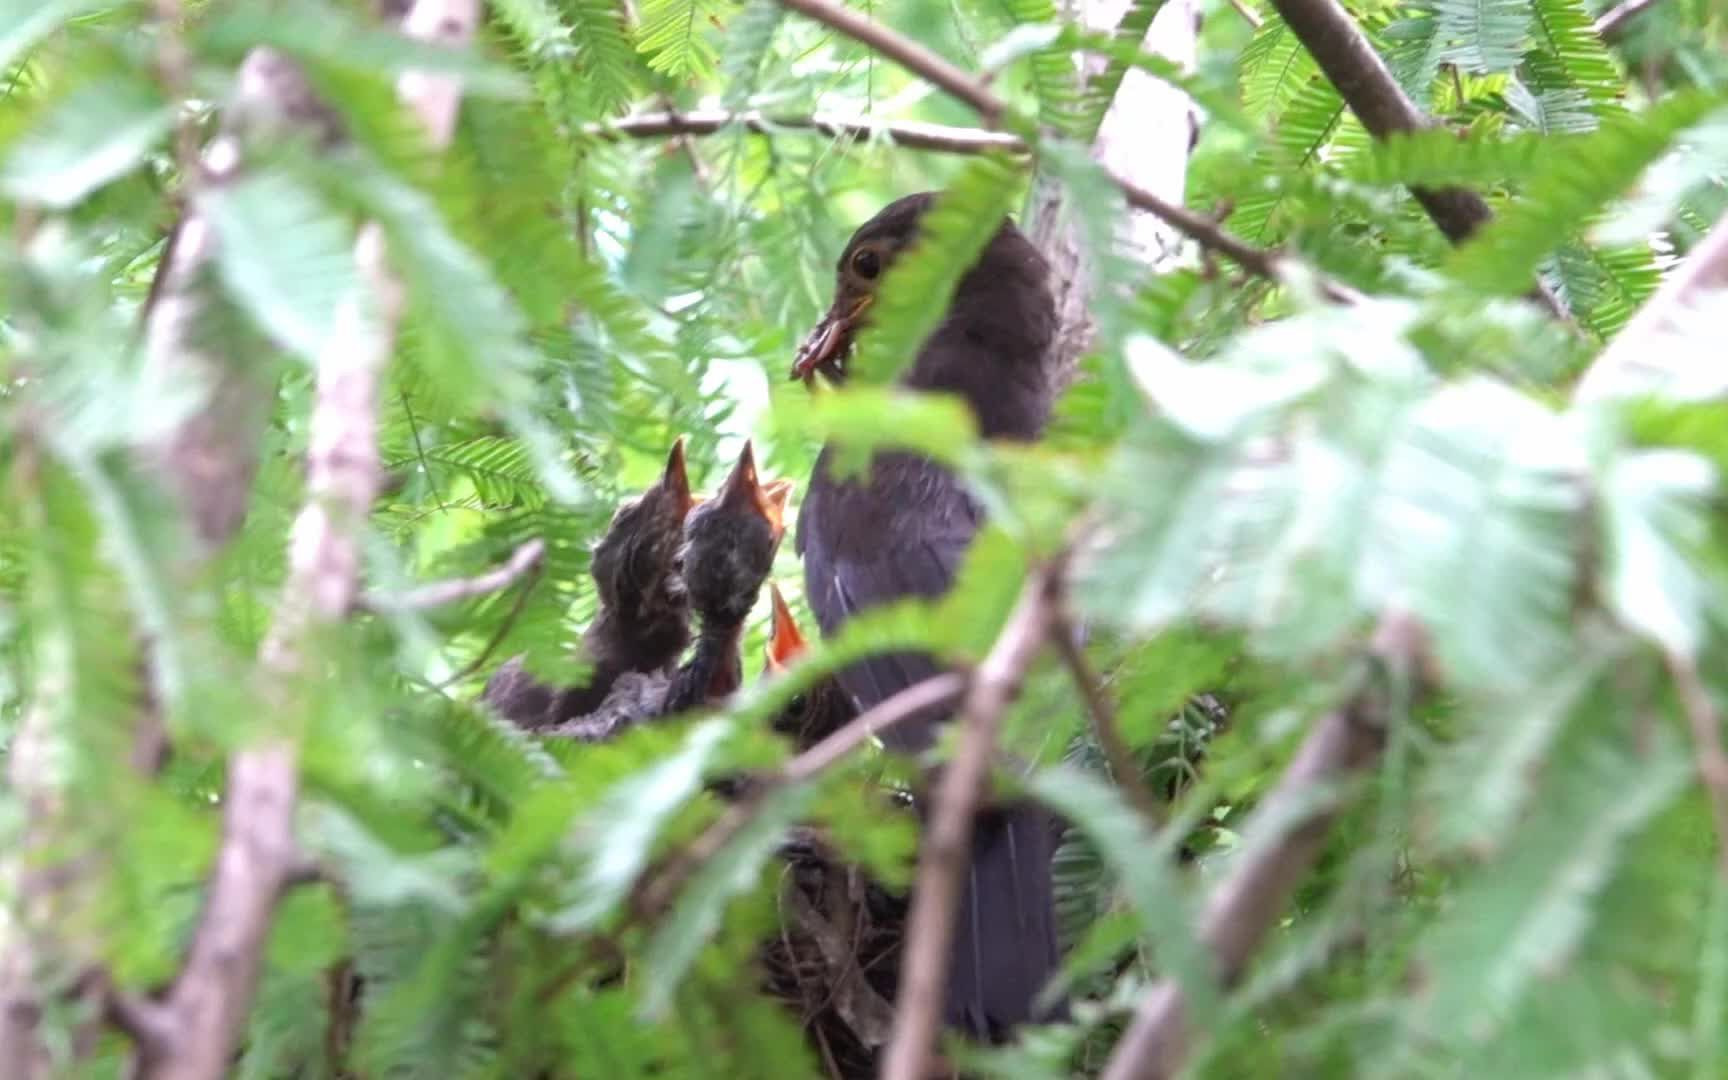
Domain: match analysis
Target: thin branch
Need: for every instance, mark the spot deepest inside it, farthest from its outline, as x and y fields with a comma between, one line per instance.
x=655, y=895
x=920, y=61
x=1705, y=721
x=906, y=134
x=1362, y=78
x=523, y=560
x=946, y=848
x=1250, y=899
x=1212, y=236
x=1117, y=753
x=1662, y=343
x=907, y=53
x=1611, y=25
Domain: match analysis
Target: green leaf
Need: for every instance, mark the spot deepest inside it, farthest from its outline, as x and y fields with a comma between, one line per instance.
x=1654, y=509
x=333, y=36
x=672, y=34
x=617, y=835
x=286, y=256
x=23, y=23
x=98, y=133
x=1580, y=176
x=732, y=870
x=1515, y=923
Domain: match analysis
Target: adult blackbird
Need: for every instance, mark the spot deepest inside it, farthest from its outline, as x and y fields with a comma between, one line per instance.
x=729, y=545
x=643, y=620
x=902, y=529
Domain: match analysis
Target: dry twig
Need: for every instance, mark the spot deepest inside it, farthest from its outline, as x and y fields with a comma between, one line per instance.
x=656, y=894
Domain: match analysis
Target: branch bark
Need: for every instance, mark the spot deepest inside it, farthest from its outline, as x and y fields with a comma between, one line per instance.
x=907, y=134
x=207, y=1004
x=1248, y=902
x=947, y=843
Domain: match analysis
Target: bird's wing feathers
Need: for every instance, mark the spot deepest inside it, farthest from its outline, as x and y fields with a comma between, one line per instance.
x=903, y=535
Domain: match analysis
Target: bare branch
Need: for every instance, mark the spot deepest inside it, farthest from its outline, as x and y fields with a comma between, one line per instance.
x=946, y=847
x=920, y=61
x=907, y=134
x=1611, y=26
x=907, y=53
x=933, y=693
x=1250, y=899
x=523, y=560
x=1666, y=343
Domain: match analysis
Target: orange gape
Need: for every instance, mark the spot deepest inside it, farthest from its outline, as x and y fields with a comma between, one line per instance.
x=785, y=641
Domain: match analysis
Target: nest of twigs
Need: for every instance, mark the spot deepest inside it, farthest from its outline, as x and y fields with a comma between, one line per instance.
x=836, y=959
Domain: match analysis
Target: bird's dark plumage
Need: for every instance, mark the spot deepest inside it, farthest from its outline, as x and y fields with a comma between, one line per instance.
x=902, y=530
x=729, y=545
x=643, y=620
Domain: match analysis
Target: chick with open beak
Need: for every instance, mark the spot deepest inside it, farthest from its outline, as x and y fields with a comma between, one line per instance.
x=643, y=620
x=729, y=546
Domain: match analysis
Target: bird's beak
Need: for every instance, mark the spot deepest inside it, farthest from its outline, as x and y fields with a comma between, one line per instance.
x=742, y=490
x=675, y=479
x=785, y=642
x=826, y=347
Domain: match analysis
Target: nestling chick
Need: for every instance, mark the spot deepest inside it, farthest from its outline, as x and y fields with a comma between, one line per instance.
x=729, y=545
x=643, y=621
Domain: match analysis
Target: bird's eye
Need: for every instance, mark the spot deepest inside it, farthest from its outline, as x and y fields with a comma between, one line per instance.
x=866, y=264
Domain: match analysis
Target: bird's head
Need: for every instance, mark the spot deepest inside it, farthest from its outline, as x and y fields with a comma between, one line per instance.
x=1002, y=303
x=730, y=540
x=636, y=563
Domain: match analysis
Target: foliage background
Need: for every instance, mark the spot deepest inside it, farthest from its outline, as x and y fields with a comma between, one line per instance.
x=1525, y=885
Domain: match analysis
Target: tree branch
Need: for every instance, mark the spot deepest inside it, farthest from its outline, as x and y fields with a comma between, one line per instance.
x=907, y=53
x=947, y=843
x=525, y=559
x=211, y=997
x=908, y=134
x=655, y=895
x=1117, y=753
x=1667, y=341
x=920, y=61
x=1611, y=26
x=1248, y=902
x=1361, y=77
